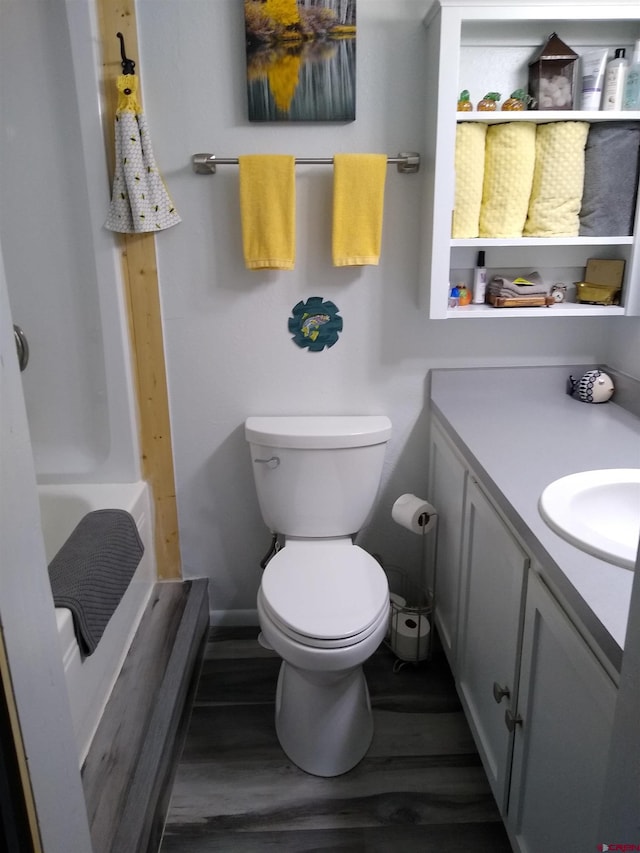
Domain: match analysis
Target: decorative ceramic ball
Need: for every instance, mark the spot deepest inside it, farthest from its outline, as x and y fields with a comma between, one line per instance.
x=595, y=387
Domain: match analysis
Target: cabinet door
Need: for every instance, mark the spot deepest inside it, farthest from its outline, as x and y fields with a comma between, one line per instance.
x=447, y=480
x=494, y=568
x=566, y=703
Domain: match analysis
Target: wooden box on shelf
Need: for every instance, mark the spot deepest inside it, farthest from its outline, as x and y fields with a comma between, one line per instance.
x=520, y=301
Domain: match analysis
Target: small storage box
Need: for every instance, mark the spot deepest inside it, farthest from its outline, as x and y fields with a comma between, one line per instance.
x=603, y=282
x=598, y=294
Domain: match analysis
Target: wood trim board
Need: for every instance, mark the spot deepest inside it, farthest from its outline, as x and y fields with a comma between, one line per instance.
x=138, y=255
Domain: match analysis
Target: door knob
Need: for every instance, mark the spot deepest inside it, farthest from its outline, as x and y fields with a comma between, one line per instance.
x=499, y=692
x=512, y=720
x=22, y=347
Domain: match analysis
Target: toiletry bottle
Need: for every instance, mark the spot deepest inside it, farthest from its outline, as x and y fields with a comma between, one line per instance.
x=631, y=97
x=615, y=78
x=479, y=281
x=593, y=64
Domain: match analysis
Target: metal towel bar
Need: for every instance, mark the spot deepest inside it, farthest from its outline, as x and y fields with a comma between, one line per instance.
x=408, y=162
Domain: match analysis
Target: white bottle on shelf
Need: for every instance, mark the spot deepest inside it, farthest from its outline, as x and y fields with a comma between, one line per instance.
x=614, y=81
x=631, y=97
x=479, y=281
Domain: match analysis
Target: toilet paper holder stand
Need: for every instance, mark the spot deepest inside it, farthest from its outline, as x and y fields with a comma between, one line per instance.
x=409, y=635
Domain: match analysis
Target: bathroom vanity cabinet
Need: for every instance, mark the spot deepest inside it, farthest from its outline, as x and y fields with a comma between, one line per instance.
x=493, y=574
x=487, y=47
x=447, y=483
x=563, y=724
x=538, y=696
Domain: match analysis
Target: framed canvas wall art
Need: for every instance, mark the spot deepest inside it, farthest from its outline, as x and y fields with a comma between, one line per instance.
x=301, y=60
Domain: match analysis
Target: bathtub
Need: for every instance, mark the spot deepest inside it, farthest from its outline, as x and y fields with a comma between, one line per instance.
x=90, y=679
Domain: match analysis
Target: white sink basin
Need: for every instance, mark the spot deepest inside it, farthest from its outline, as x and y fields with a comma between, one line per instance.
x=597, y=511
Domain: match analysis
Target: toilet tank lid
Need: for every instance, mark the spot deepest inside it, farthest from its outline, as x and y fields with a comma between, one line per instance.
x=317, y=432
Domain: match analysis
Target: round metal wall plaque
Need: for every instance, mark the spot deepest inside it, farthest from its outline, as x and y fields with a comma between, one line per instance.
x=315, y=324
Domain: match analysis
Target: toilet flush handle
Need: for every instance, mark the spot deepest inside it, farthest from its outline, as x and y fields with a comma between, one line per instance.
x=272, y=462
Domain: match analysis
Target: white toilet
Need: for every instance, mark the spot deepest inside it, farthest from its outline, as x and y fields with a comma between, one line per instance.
x=323, y=603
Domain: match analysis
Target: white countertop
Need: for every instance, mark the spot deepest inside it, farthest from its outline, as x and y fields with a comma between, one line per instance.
x=520, y=431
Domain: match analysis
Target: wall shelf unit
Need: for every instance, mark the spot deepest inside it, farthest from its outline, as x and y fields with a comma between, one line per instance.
x=482, y=47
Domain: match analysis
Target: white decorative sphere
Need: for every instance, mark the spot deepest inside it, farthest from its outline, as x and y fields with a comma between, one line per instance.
x=595, y=387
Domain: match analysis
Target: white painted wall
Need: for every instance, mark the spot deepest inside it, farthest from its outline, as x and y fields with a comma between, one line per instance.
x=623, y=347
x=228, y=351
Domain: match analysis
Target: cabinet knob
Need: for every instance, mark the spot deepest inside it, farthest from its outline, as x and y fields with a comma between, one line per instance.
x=499, y=692
x=512, y=720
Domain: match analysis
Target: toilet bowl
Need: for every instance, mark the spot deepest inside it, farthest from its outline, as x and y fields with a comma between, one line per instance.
x=324, y=607
x=323, y=603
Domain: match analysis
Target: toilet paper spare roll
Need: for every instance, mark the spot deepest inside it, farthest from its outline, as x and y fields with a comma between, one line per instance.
x=410, y=637
x=414, y=513
x=398, y=601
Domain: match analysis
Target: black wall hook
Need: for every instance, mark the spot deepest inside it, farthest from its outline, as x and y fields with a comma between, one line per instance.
x=128, y=65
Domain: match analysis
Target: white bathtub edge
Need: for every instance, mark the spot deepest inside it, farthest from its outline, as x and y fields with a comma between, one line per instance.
x=91, y=680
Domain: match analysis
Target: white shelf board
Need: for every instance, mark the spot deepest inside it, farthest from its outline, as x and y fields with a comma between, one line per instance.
x=561, y=309
x=543, y=116
x=483, y=242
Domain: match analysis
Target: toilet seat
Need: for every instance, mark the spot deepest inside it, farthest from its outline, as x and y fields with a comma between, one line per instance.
x=325, y=593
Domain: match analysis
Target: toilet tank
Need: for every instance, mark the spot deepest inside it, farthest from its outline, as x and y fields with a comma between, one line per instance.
x=317, y=477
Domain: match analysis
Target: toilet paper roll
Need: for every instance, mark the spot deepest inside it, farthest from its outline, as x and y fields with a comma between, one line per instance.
x=410, y=637
x=398, y=601
x=414, y=513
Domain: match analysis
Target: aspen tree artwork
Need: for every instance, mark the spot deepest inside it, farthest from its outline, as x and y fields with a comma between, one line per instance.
x=301, y=60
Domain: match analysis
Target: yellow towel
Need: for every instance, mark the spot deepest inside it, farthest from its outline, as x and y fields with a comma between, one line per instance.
x=509, y=159
x=469, y=163
x=267, y=209
x=558, y=180
x=358, y=200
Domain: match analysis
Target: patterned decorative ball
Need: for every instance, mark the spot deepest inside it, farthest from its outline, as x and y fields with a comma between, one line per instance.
x=595, y=387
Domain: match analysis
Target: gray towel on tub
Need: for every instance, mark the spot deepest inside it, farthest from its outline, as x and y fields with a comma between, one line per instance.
x=610, y=179
x=92, y=571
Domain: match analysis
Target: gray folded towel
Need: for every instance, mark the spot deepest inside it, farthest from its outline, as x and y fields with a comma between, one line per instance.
x=92, y=571
x=501, y=285
x=612, y=161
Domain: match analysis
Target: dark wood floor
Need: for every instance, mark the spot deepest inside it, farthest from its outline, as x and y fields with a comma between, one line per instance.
x=420, y=788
